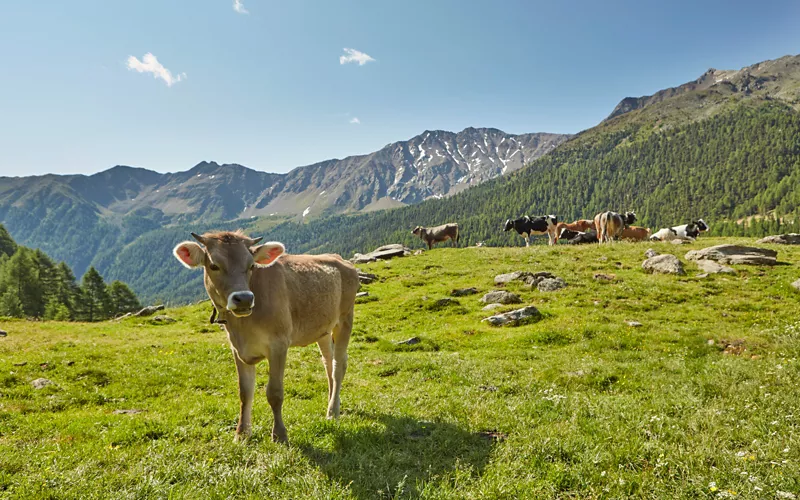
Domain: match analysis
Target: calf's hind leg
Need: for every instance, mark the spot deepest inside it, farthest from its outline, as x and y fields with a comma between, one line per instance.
x=341, y=339
x=326, y=350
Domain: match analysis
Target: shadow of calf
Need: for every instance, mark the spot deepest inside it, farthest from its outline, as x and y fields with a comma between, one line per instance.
x=394, y=456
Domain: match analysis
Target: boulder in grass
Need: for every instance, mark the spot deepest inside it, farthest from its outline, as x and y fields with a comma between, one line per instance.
x=736, y=254
x=782, y=239
x=513, y=318
x=796, y=285
x=501, y=297
x=711, y=267
x=41, y=383
x=663, y=264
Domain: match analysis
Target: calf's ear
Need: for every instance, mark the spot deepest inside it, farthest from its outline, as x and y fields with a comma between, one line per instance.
x=190, y=254
x=268, y=253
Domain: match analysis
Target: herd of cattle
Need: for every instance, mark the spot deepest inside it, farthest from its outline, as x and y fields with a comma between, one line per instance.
x=605, y=227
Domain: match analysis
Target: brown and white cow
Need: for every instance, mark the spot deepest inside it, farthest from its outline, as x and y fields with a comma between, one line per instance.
x=610, y=224
x=635, y=233
x=270, y=301
x=438, y=234
x=579, y=226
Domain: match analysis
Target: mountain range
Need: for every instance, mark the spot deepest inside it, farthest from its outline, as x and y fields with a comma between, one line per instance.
x=724, y=146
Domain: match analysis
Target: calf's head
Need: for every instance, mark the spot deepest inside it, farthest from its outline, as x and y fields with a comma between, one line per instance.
x=629, y=218
x=509, y=225
x=417, y=230
x=228, y=260
x=701, y=225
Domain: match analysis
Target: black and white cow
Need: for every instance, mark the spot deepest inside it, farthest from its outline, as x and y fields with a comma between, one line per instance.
x=568, y=234
x=583, y=238
x=531, y=226
x=688, y=231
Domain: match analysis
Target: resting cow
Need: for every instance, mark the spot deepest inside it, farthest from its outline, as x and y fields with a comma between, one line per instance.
x=610, y=224
x=583, y=238
x=270, y=301
x=687, y=232
x=580, y=225
x=527, y=226
x=635, y=233
x=438, y=234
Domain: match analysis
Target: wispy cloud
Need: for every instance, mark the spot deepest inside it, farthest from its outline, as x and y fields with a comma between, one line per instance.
x=355, y=121
x=355, y=56
x=238, y=6
x=150, y=64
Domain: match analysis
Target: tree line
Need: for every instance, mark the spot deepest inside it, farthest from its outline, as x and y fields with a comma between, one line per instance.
x=32, y=285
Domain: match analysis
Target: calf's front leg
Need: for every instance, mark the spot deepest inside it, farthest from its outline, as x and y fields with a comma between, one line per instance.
x=277, y=365
x=247, y=387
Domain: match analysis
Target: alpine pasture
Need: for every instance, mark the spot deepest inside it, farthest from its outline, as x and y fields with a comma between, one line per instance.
x=702, y=400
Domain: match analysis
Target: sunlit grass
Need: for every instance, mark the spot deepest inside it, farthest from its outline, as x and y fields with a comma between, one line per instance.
x=577, y=405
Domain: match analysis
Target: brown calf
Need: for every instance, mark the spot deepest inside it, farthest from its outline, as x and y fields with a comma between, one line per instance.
x=271, y=301
x=580, y=225
x=438, y=234
x=635, y=233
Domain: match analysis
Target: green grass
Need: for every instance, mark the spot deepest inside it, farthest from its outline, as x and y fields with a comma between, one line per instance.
x=584, y=405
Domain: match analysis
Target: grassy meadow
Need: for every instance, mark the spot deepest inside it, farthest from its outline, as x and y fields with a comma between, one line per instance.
x=701, y=401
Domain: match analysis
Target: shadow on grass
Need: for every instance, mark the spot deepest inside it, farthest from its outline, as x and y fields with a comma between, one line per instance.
x=394, y=456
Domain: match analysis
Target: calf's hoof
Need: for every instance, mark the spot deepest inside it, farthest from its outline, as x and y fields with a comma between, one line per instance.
x=241, y=437
x=279, y=436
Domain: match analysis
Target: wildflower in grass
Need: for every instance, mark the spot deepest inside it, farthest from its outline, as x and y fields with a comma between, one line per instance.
x=785, y=494
x=712, y=486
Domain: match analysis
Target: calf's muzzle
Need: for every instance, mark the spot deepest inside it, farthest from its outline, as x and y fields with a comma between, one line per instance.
x=241, y=303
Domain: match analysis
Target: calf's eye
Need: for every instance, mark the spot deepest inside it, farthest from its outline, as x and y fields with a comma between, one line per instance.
x=214, y=267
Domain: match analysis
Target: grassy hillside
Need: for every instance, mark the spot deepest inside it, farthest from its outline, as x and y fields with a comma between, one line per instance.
x=577, y=405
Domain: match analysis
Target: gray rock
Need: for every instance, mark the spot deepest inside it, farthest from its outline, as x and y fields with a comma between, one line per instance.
x=796, y=284
x=650, y=253
x=514, y=317
x=711, y=267
x=3, y=333
x=366, y=278
x=680, y=242
x=461, y=292
x=551, y=284
x=362, y=294
x=502, y=297
x=702, y=275
x=633, y=324
x=41, y=383
x=663, y=264
x=782, y=239
x=382, y=253
x=360, y=258
x=509, y=277
x=149, y=310
x=162, y=319
x=419, y=251
x=411, y=341
x=492, y=306
x=735, y=254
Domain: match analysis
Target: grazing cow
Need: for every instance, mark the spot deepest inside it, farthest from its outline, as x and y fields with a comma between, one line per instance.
x=583, y=238
x=527, y=227
x=580, y=225
x=635, y=233
x=270, y=301
x=438, y=234
x=610, y=224
x=688, y=232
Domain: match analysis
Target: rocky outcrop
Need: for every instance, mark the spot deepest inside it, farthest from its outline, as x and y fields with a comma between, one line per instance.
x=513, y=318
x=711, y=267
x=382, y=253
x=796, y=284
x=550, y=284
x=782, y=239
x=735, y=254
x=501, y=297
x=663, y=264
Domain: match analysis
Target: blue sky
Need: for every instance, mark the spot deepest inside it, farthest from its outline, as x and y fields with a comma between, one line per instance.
x=264, y=86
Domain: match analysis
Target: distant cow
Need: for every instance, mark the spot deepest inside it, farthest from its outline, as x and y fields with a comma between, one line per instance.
x=687, y=232
x=635, y=233
x=583, y=238
x=566, y=233
x=270, y=301
x=580, y=225
x=610, y=224
x=438, y=234
x=529, y=226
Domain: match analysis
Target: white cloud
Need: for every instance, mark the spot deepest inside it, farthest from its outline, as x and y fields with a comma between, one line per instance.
x=150, y=64
x=356, y=56
x=238, y=6
x=355, y=121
